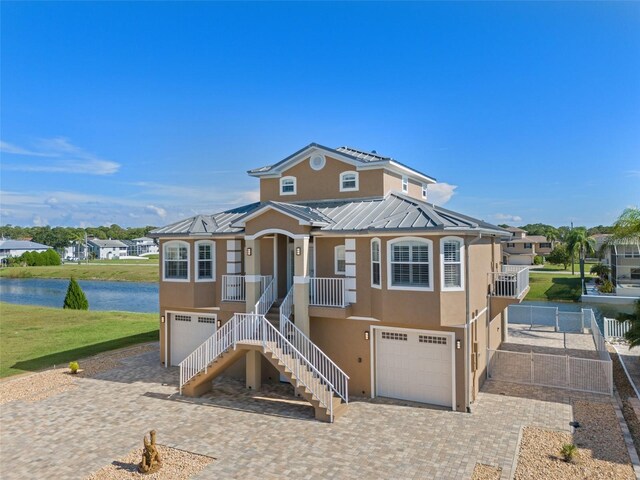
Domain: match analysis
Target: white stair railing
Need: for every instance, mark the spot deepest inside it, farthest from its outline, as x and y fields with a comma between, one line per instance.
x=251, y=327
x=267, y=298
x=327, y=292
x=286, y=307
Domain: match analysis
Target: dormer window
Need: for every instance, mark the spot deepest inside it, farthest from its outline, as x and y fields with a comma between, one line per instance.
x=405, y=184
x=288, y=186
x=349, y=181
x=424, y=191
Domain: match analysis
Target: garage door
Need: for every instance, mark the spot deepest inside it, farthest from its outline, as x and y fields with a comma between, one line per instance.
x=520, y=260
x=414, y=365
x=189, y=331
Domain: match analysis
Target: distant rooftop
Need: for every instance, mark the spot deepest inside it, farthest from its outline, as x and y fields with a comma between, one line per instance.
x=22, y=245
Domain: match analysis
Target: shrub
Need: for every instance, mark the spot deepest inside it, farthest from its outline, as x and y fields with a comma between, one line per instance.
x=538, y=260
x=560, y=256
x=75, y=298
x=569, y=451
x=74, y=366
x=606, y=287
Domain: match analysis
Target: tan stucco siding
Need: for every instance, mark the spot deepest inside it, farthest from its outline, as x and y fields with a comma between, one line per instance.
x=274, y=219
x=322, y=184
x=393, y=182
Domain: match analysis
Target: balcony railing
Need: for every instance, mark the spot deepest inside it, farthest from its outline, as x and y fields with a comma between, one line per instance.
x=513, y=268
x=234, y=287
x=327, y=292
x=510, y=284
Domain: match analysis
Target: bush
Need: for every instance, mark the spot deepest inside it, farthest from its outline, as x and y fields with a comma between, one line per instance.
x=560, y=256
x=75, y=298
x=538, y=260
x=606, y=287
x=40, y=259
x=569, y=451
x=74, y=366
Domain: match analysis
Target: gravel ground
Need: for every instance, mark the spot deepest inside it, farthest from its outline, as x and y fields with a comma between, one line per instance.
x=625, y=390
x=41, y=385
x=602, y=453
x=486, y=472
x=176, y=465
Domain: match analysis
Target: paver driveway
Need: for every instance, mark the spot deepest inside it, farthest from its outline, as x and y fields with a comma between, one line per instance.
x=78, y=431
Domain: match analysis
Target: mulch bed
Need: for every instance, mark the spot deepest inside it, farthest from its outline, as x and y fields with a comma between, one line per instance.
x=176, y=465
x=602, y=452
x=626, y=391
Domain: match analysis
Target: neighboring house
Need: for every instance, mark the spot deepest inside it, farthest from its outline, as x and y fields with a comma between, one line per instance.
x=15, y=248
x=600, y=240
x=521, y=249
x=75, y=251
x=398, y=297
x=143, y=246
x=107, y=249
x=623, y=257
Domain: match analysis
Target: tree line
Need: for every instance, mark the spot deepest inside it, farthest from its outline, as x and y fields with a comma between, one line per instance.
x=559, y=233
x=60, y=237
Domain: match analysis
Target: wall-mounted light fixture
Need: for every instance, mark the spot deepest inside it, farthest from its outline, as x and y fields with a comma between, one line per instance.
x=366, y=334
x=249, y=251
x=458, y=344
x=298, y=251
x=162, y=319
x=219, y=323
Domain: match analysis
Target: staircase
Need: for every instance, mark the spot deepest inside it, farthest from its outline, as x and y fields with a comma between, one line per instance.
x=313, y=376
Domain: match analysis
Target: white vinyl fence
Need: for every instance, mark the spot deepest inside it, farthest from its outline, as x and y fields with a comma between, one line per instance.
x=560, y=371
x=615, y=329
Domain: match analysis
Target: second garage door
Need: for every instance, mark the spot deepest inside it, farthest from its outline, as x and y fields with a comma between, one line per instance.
x=414, y=365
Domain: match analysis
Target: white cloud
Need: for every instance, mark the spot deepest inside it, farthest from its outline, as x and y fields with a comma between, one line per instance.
x=161, y=212
x=440, y=193
x=65, y=157
x=507, y=217
x=38, y=221
x=633, y=173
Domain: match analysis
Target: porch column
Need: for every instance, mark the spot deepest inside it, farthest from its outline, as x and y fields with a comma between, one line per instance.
x=252, y=273
x=301, y=284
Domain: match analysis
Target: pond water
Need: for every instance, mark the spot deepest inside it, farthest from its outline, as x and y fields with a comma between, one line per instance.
x=50, y=292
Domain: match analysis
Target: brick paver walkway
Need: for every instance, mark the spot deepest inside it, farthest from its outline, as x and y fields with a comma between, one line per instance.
x=79, y=431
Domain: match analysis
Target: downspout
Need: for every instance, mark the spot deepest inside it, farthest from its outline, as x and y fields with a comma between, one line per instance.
x=468, y=385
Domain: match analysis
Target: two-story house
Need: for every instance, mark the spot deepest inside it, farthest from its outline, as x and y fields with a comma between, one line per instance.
x=521, y=249
x=106, y=249
x=344, y=279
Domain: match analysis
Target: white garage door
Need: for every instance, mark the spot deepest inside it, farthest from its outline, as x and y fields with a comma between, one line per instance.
x=189, y=331
x=520, y=260
x=414, y=365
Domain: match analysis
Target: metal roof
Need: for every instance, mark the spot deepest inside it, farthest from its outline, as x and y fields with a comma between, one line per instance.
x=107, y=243
x=22, y=245
x=393, y=212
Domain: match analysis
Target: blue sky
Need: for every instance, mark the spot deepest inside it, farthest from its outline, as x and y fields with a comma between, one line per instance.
x=145, y=113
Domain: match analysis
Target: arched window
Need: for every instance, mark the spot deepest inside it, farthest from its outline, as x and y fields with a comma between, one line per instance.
x=206, y=261
x=349, y=181
x=375, y=263
x=175, y=257
x=410, y=264
x=452, y=263
x=288, y=186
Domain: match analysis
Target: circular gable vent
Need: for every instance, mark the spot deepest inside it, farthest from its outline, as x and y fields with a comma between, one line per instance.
x=317, y=162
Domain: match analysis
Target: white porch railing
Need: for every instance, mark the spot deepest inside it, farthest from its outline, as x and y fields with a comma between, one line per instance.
x=514, y=268
x=234, y=287
x=256, y=328
x=509, y=284
x=615, y=329
x=266, y=299
x=327, y=292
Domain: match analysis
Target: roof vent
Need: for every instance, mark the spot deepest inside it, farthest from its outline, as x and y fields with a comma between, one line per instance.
x=317, y=162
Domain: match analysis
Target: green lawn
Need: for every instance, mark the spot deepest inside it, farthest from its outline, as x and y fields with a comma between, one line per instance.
x=34, y=338
x=126, y=261
x=545, y=286
x=115, y=272
x=553, y=267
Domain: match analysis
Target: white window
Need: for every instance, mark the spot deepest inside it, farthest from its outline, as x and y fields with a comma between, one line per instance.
x=451, y=256
x=375, y=263
x=339, y=260
x=175, y=261
x=288, y=186
x=349, y=181
x=424, y=191
x=410, y=264
x=405, y=184
x=206, y=261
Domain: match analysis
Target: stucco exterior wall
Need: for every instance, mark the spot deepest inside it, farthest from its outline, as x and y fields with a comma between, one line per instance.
x=274, y=219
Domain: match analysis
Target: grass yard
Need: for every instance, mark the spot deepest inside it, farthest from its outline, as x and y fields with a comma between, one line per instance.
x=560, y=268
x=115, y=272
x=34, y=338
x=125, y=261
x=545, y=286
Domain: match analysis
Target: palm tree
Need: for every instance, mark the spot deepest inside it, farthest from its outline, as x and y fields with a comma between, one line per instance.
x=600, y=269
x=627, y=226
x=578, y=241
